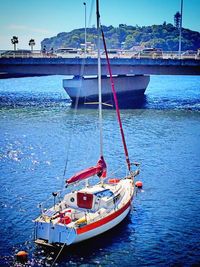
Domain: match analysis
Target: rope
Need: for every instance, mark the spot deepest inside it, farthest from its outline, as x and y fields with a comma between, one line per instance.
x=58, y=255
x=76, y=105
x=115, y=171
x=73, y=122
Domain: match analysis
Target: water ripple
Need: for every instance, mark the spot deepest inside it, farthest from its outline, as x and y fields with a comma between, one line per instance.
x=163, y=226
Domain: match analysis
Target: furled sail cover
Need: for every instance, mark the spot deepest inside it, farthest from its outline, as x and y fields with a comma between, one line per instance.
x=99, y=169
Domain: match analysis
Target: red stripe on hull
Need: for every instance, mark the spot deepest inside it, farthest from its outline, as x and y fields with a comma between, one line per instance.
x=103, y=221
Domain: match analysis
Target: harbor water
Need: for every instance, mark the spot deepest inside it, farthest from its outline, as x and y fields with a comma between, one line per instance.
x=40, y=132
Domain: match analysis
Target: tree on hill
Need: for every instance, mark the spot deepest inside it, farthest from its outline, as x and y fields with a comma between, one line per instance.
x=163, y=36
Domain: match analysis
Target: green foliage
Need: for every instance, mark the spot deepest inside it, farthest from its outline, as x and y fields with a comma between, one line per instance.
x=163, y=36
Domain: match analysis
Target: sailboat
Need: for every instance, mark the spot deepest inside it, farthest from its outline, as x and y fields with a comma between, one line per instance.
x=93, y=209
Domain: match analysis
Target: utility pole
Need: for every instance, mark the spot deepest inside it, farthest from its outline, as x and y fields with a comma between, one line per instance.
x=85, y=29
x=180, y=31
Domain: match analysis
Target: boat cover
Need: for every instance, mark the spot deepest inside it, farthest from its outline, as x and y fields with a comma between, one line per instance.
x=99, y=169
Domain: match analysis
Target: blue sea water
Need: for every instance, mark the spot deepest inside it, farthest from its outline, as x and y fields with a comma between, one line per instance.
x=39, y=131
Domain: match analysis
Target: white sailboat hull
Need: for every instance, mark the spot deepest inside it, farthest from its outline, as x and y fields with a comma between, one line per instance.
x=107, y=216
x=105, y=227
x=65, y=235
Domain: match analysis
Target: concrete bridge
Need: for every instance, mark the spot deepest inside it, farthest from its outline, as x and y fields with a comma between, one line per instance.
x=22, y=67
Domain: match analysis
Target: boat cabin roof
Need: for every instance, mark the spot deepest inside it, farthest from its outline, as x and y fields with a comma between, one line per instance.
x=98, y=191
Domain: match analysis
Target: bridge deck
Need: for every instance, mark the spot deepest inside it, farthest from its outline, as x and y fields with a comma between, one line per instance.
x=88, y=66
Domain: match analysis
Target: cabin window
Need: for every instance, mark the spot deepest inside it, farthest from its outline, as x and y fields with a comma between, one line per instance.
x=72, y=199
x=116, y=198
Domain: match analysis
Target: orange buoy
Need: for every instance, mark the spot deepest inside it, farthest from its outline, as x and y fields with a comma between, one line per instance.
x=138, y=184
x=113, y=181
x=22, y=256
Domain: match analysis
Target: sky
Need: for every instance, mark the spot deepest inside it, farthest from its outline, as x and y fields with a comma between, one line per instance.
x=39, y=19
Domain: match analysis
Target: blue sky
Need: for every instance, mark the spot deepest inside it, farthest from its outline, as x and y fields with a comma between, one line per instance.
x=39, y=19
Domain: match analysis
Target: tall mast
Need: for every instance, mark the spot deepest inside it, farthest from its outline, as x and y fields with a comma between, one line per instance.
x=116, y=105
x=99, y=79
x=85, y=29
x=180, y=31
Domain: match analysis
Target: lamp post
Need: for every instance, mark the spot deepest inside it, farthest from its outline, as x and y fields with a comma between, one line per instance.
x=180, y=31
x=85, y=28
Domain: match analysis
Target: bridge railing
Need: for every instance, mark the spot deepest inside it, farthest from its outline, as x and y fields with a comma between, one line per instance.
x=118, y=54
x=24, y=54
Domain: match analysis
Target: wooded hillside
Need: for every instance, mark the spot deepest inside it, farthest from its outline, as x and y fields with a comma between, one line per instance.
x=163, y=36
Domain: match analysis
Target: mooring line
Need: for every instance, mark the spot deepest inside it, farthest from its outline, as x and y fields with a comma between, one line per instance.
x=58, y=255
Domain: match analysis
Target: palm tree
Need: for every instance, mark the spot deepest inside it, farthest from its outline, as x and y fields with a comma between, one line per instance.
x=32, y=43
x=14, y=41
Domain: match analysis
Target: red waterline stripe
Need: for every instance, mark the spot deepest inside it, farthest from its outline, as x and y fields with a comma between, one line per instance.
x=103, y=221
